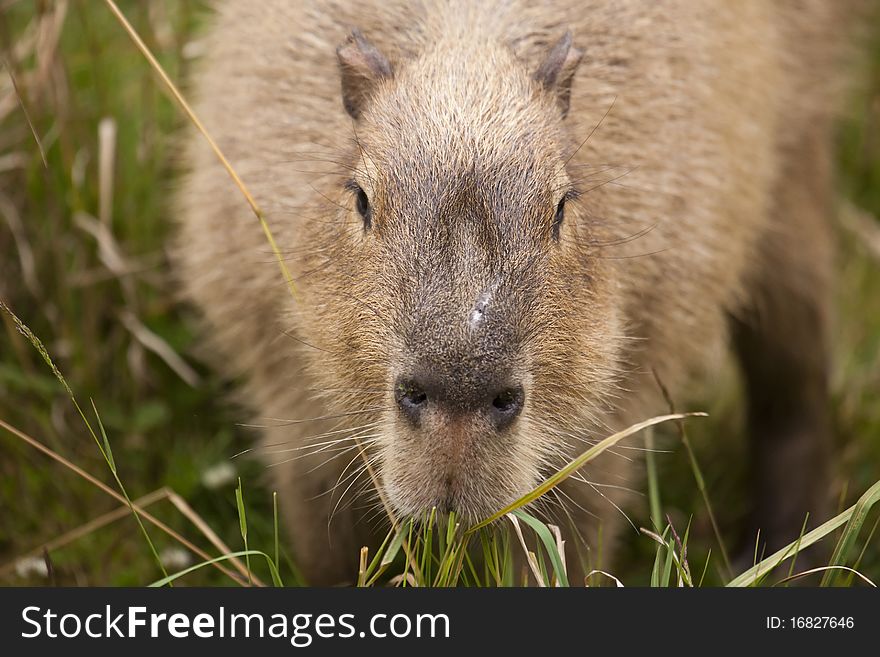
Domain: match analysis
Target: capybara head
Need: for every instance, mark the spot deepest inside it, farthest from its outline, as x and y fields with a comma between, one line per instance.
x=455, y=282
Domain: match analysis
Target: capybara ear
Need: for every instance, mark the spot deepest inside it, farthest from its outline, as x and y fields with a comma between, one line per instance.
x=557, y=70
x=361, y=66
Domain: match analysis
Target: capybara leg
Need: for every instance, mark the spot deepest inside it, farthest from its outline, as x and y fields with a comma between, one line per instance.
x=789, y=430
x=782, y=342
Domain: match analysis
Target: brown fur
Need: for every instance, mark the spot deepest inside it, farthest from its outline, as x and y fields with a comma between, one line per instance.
x=698, y=139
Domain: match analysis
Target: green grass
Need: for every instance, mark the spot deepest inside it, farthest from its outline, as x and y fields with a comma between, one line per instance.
x=82, y=264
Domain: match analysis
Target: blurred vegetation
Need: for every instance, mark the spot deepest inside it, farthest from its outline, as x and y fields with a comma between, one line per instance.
x=82, y=263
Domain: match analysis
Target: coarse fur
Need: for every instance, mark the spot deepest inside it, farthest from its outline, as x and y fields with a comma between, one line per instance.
x=690, y=144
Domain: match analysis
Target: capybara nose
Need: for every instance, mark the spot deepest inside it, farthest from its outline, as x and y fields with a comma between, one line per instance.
x=418, y=397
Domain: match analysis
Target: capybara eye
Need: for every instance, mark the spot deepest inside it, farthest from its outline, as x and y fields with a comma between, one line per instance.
x=557, y=220
x=363, y=206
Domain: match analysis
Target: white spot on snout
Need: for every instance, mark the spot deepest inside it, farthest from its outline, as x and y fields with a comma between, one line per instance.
x=478, y=314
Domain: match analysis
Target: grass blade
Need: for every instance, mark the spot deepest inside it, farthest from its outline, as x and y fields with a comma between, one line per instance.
x=276, y=577
x=394, y=548
x=575, y=465
x=108, y=453
x=851, y=532
x=242, y=523
x=275, y=524
x=549, y=542
x=653, y=485
x=826, y=570
x=855, y=516
x=530, y=556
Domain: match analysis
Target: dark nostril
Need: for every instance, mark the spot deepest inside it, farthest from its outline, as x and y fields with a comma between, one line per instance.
x=506, y=401
x=506, y=405
x=411, y=398
x=408, y=392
